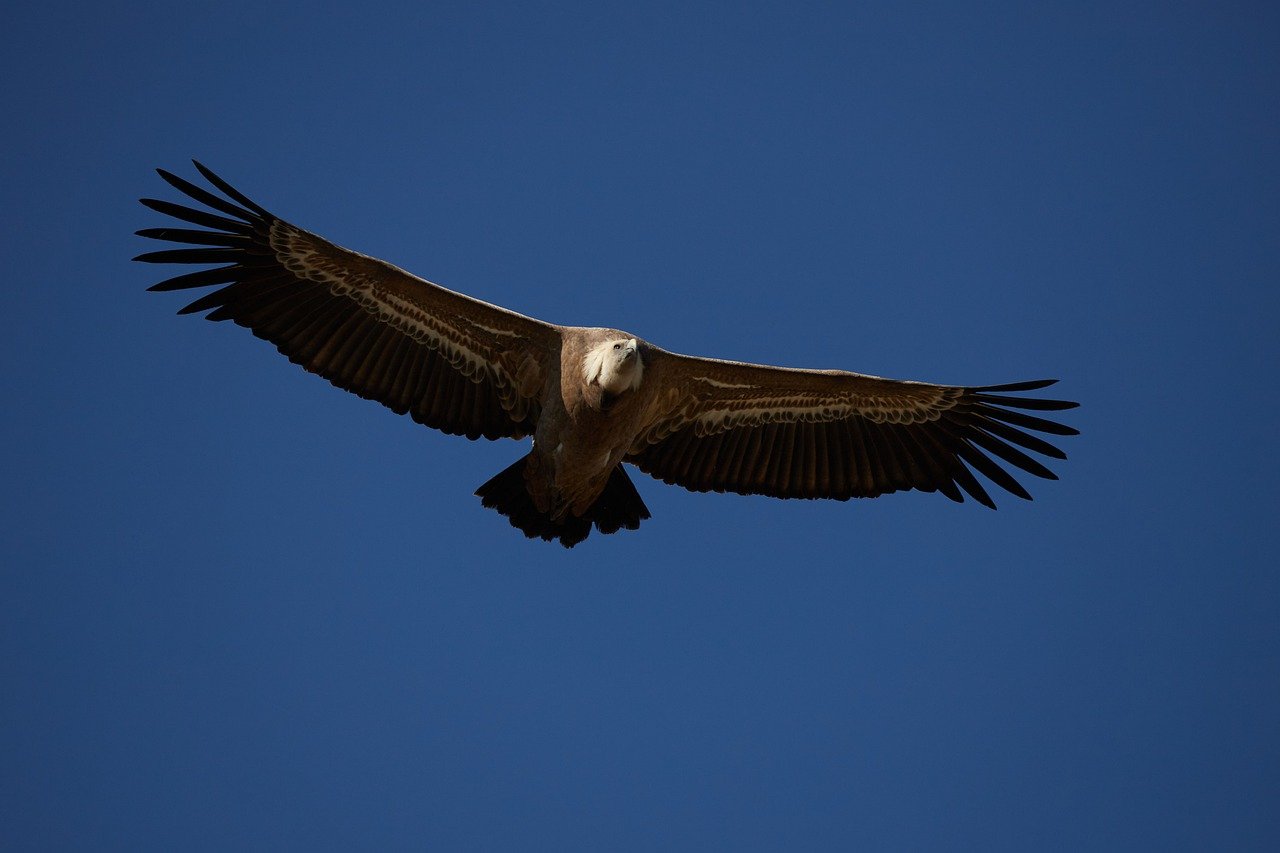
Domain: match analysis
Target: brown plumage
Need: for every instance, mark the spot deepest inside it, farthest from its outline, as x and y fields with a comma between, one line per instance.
x=591, y=398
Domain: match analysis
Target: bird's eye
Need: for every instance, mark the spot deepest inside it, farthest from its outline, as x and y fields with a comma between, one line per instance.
x=617, y=346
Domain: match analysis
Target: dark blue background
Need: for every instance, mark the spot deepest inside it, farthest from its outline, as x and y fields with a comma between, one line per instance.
x=243, y=610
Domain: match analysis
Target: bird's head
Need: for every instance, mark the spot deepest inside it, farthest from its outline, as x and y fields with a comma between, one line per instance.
x=615, y=365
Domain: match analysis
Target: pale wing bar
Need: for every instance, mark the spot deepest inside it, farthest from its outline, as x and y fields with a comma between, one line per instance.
x=855, y=456
x=358, y=347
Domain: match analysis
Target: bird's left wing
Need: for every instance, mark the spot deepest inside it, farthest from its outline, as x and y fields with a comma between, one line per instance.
x=451, y=362
x=754, y=429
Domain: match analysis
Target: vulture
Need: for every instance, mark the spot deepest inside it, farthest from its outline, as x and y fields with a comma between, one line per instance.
x=591, y=398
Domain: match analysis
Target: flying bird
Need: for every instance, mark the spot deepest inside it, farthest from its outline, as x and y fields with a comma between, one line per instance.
x=591, y=398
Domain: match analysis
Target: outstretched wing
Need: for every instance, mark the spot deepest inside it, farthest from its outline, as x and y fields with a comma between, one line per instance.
x=752, y=429
x=451, y=362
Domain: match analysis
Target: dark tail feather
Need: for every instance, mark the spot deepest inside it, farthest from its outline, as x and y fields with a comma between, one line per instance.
x=619, y=506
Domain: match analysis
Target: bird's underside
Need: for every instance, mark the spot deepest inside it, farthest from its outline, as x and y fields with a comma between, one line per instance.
x=591, y=398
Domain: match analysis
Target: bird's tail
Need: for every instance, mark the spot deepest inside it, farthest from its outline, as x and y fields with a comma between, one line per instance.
x=618, y=506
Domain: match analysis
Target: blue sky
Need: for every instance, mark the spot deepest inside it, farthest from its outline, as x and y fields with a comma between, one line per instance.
x=244, y=610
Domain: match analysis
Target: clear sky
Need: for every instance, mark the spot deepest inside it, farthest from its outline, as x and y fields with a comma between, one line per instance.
x=243, y=610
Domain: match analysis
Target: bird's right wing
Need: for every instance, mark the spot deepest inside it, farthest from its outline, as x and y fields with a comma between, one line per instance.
x=756, y=429
x=451, y=362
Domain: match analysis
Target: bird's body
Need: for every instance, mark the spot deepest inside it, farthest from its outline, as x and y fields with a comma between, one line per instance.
x=591, y=398
x=586, y=428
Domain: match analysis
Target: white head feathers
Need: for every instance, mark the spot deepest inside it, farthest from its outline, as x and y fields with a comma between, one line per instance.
x=615, y=365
